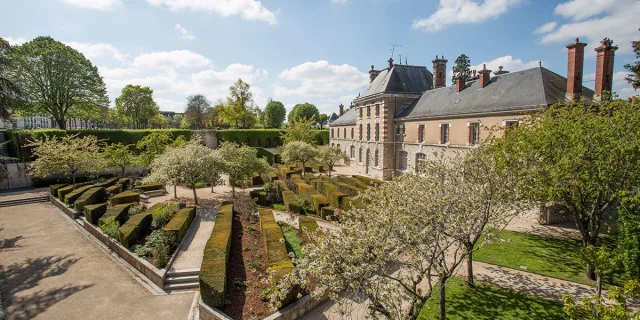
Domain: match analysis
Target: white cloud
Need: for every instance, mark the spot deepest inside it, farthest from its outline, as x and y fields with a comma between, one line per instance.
x=321, y=78
x=618, y=22
x=339, y=1
x=547, y=27
x=95, y=50
x=248, y=9
x=508, y=63
x=186, y=34
x=93, y=4
x=464, y=11
x=107, y=72
x=170, y=105
x=15, y=41
x=620, y=85
x=170, y=59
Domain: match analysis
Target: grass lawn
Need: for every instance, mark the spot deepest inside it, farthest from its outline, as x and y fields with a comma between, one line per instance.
x=557, y=258
x=291, y=239
x=489, y=302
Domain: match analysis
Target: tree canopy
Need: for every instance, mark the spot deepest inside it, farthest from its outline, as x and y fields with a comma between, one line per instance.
x=273, y=115
x=136, y=104
x=298, y=151
x=634, y=68
x=8, y=90
x=330, y=156
x=240, y=163
x=299, y=131
x=462, y=66
x=56, y=80
x=304, y=111
x=119, y=156
x=197, y=109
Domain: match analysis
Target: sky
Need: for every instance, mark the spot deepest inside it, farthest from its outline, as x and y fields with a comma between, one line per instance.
x=316, y=51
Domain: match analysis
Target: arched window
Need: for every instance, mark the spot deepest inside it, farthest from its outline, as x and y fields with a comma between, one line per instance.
x=375, y=158
x=420, y=160
x=332, y=145
x=360, y=155
x=377, y=133
x=352, y=152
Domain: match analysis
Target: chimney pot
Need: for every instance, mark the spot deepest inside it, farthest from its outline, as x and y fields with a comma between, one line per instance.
x=439, y=72
x=604, y=67
x=484, y=77
x=574, y=69
x=341, y=109
x=500, y=71
x=390, y=63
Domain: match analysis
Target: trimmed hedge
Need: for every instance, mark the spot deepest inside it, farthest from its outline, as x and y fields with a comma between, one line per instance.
x=94, y=212
x=327, y=212
x=319, y=201
x=271, y=157
x=290, y=202
x=107, y=183
x=307, y=226
x=213, y=271
x=348, y=189
x=369, y=181
x=278, y=260
x=64, y=191
x=125, y=197
x=72, y=196
x=91, y=196
x=265, y=138
x=179, y=224
x=124, y=182
x=53, y=189
x=118, y=212
x=113, y=190
x=150, y=187
x=261, y=195
x=133, y=230
x=20, y=138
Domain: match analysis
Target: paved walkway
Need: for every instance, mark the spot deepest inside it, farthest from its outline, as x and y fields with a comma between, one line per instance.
x=191, y=251
x=49, y=269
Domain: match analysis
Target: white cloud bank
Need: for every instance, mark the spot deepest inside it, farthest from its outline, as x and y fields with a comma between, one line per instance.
x=321, y=78
x=170, y=59
x=95, y=50
x=186, y=34
x=248, y=9
x=463, y=12
x=93, y=4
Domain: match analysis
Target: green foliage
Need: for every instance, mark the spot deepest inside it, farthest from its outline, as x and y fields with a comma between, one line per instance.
x=634, y=68
x=133, y=230
x=236, y=112
x=110, y=227
x=240, y=162
x=629, y=233
x=136, y=104
x=157, y=245
x=303, y=112
x=71, y=197
x=270, y=157
x=74, y=87
x=299, y=151
x=152, y=145
x=197, y=108
x=125, y=197
x=291, y=240
x=92, y=196
x=94, y=212
x=266, y=138
x=597, y=308
x=273, y=114
x=462, y=67
x=9, y=91
x=300, y=131
x=330, y=156
x=118, y=212
x=213, y=271
x=150, y=187
x=53, y=189
x=163, y=213
x=119, y=156
x=180, y=223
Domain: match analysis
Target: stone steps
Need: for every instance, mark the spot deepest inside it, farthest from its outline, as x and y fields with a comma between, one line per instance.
x=181, y=280
x=17, y=202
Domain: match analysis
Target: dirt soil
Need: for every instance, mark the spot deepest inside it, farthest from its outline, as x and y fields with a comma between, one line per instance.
x=247, y=272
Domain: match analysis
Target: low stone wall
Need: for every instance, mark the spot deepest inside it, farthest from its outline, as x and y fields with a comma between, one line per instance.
x=210, y=313
x=68, y=211
x=298, y=308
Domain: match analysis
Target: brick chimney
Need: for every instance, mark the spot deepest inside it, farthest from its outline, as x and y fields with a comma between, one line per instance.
x=439, y=72
x=390, y=63
x=341, y=109
x=500, y=71
x=373, y=74
x=484, y=77
x=574, y=69
x=604, y=67
x=460, y=82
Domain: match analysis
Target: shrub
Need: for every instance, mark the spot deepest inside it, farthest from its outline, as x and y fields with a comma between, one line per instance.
x=245, y=207
x=113, y=190
x=133, y=230
x=91, y=196
x=150, y=187
x=264, y=153
x=107, y=183
x=94, y=212
x=180, y=223
x=273, y=192
x=162, y=213
x=629, y=233
x=291, y=202
x=125, y=197
x=251, y=137
x=71, y=197
x=348, y=189
x=157, y=245
x=213, y=271
x=319, y=201
x=118, y=213
x=327, y=212
x=53, y=189
x=125, y=183
x=260, y=196
x=110, y=227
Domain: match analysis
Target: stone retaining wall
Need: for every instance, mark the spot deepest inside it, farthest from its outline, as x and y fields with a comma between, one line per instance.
x=290, y=312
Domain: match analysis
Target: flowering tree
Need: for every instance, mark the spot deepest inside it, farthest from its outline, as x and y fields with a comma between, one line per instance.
x=152, y=145
x=119, y=156
x=166, y=169
x=300, y=130
x=298, y=151
x=240, y=163
x=330, y=156
x=68, y=155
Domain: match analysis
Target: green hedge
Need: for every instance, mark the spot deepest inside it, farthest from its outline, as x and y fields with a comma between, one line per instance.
x=133, y=230
x=19, y=138
x=62, y=192
x=94, y=212
x=271, y=157
x=125, y=197
x=92, y=196
x=118, y=212
x=265, y=138
x=213, y=271
x=72, y=196
x=179, y=224
x=124, y=182
x=307, y=226
x=278, y=260
x=107, y=183
x=150, y=187
x=113, y=190
x=53, y=189
x=260, y=195
x=328, y=212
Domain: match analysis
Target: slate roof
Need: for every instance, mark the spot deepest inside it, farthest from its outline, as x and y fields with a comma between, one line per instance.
x=347, y=119
x=401, y=78
x=333, y=117
x=514, y=91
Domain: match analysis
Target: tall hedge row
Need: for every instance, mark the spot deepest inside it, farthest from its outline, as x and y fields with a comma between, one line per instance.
x=265, y=138
x=19, y=138
x=213, y=271
x=179, y=224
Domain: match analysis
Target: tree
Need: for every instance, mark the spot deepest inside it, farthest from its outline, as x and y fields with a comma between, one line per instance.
x=166, y=170
x=119, y=156
x=299, y=151
x=330, y=156
x=274, y=114
x=634, y=68
x=629, y=233
x=597, y=308
x=306, y=111
x=197, y=108
x=462, y=67
x=577, y=156
x=159, y=122
x=68, y=155
x=299, y=131
x=55, y=79
x=152, y=145
x=9, y=91
x=136, y=104
x=323, y=119
x=240, y=163
x=211, y=118
x=236, y=111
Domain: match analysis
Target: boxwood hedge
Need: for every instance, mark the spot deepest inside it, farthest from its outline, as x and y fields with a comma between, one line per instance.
x=91, y=196
x=125, y=197
x=94, y=212
x=133, y=230
x=265, y=138
x=72, y=196
x=118, y=212
x=179, y=224
x=213, y=271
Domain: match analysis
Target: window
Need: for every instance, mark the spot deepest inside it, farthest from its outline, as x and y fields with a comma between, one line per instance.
x=338, y=146
x=474, y=133
x=368, y=111
x=360, y=113
x=377, y=109
x=338, y=132
x=352, y=133
x=420, y=160
x=421, y=133
x=509, y=125
x=375, y=159
x=360, y=132
x=331, y=133
x=352, y=152
x=400, y=129
x=368, y=131
x=360, y=155
x=377, y=132
x=344, y=133
x=403, y=160
x=444, y=133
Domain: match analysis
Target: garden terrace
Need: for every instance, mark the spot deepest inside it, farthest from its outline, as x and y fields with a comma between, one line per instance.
x=213, y=271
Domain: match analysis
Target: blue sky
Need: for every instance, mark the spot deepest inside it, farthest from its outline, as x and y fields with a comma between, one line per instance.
x=316, y=51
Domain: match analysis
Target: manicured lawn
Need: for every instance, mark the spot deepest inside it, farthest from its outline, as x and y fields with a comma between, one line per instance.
x=291, y=239
x=490, y=302
x=551, y=257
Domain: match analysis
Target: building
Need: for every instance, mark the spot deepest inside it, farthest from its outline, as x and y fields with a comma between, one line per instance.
x=35, y=122
x=408, y=112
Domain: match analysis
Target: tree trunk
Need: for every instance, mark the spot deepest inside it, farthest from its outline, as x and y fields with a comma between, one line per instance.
x=470, y=281
x=599, y=285
x=175, y=193
x=329, y=171
x=443, y=298
x=123, y=171
x=195, y=196
x=233, y=189
x=61, y=123
x=73, y=180
x=303, y=168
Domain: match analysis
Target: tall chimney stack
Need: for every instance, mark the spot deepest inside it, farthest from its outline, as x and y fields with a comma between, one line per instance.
x=604, y=67
x=373, y=74
x=390, y=63
x=460, y=82
x=485, y=76
x=574, y=70
x=439, y=72
x=341, y=109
